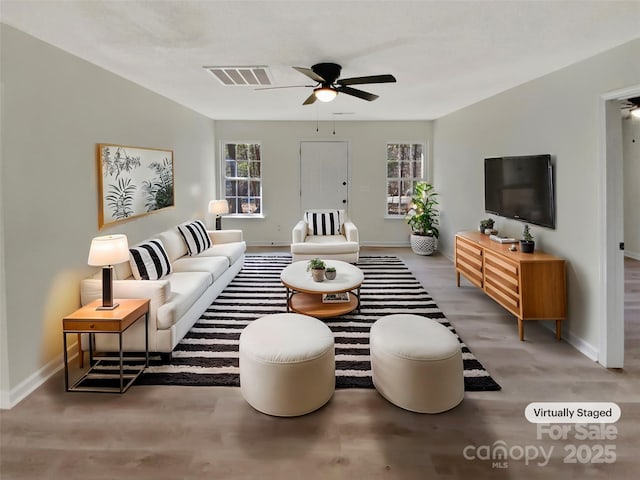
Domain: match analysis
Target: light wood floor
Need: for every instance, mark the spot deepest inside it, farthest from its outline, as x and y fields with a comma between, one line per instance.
x=154, y=432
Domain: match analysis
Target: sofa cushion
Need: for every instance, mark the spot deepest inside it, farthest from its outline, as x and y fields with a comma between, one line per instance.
x=215, y=266
x=186, y=289
x=149, y=261
x=323, y=222
x=325, y=245
x=173, y=243
x=195, y=237
x=232, y=251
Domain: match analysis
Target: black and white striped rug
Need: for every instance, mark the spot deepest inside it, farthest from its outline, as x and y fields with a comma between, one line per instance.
x=208, y=354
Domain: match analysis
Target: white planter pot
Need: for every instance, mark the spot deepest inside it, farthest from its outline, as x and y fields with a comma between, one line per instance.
x=422, y=244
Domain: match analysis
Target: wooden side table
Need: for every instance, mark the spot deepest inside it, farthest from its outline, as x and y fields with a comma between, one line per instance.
x=89, y=320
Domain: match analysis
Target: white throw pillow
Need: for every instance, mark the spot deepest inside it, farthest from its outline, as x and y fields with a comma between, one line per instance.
x=149, y=261
x=195, y=237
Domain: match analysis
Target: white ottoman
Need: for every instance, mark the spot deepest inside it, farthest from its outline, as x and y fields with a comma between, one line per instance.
x=287, y=364
x=416, y=363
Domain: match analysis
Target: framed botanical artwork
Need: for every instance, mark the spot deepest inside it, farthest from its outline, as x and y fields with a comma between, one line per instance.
x=133, y=181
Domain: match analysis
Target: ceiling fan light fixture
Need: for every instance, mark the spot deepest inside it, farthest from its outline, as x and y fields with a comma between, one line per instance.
x=325, y=94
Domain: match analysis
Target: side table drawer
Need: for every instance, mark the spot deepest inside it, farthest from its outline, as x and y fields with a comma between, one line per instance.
x=95, y=326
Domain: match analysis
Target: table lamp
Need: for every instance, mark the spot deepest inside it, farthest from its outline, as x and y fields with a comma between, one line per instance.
x=105, y=252
x=218, y=208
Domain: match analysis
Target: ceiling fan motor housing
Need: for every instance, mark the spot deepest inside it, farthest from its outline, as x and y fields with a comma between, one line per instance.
x=329, y=71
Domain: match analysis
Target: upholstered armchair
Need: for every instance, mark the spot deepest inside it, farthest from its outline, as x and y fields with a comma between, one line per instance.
x=328, y=234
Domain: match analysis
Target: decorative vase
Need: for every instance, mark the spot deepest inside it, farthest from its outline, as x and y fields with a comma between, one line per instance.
x=527, y=246
x=423, y=244
x=317, y=274
x=330, y=274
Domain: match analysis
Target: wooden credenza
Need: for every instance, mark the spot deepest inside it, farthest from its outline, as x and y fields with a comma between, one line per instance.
x=532, y=286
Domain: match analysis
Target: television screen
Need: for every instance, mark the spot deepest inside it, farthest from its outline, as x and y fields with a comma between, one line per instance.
x=521, y=188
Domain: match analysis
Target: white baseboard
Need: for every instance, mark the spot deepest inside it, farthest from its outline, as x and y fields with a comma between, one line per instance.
x=576, y=342
x=385, y=244
x=362, y=244
x=634, y=255
x=10, y=399
x=268, y=244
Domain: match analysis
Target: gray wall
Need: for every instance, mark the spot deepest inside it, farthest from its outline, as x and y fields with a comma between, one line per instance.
x=631, y=159
x=558, y=114
x=281, y=174
x=56, y=108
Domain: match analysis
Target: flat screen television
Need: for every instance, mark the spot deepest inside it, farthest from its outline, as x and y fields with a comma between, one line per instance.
x=521, y=188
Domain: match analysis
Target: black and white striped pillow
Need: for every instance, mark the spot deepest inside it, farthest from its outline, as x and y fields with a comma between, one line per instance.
x=324, y=223
x=195, y=236
x=149, y=261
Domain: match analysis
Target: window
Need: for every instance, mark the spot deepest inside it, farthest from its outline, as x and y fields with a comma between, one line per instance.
x=243, y=178
x=405, y=167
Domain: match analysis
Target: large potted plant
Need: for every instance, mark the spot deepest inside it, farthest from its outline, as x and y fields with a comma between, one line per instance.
x=423, y=219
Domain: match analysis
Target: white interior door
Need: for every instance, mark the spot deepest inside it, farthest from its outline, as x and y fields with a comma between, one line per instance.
x=324, y=175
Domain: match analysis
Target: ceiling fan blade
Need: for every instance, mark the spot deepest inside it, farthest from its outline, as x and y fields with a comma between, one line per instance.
x=310, y=99
x=369, y=79
x=357, y=93
x=311, y=74
x=285, y=86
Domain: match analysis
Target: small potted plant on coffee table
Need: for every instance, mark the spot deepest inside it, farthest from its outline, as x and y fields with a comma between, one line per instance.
x=330, y=273
x=527, y=244
x=317, y=268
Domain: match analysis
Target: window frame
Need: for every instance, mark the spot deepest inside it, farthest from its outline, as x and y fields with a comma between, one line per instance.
x=224, y=178
x=424, y=178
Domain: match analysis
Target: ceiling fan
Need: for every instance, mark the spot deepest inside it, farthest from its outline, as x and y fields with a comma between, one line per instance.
x=329, y=84
x=633, y=104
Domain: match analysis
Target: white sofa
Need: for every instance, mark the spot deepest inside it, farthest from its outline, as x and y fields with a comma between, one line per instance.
x=177, y=300
x=341, y=243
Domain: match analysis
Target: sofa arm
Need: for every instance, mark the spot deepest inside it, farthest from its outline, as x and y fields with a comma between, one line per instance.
x=351, y=232
x=299, y=232
x=225, y=236
x=157, y=291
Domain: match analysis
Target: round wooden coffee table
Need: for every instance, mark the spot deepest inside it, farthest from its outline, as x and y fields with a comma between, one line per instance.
x=304, y=295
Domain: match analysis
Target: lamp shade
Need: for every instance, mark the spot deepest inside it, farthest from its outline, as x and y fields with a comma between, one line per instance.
x=325, y=94
x=218, y=207
x=108, y=250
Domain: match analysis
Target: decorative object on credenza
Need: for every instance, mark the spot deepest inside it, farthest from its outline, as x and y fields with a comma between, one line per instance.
x=317, y=268
x=219, y=208
x=486, y=225
x=133, y=181
x=527, y=244
x=105, y=252
x=423, y=219
x=330, y=273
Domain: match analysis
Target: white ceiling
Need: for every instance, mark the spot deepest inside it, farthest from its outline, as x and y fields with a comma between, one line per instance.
x=445, y=55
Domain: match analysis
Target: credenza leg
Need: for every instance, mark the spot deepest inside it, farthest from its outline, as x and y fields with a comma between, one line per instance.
x=458, y=279
x=558, y=329
x=521, y=329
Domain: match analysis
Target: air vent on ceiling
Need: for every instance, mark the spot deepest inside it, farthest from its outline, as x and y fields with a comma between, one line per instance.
x=241, y=76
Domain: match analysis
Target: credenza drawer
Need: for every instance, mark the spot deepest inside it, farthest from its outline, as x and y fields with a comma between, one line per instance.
x=469, y=261
x=506, y=296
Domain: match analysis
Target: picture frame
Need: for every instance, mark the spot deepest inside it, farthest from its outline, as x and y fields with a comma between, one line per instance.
x=132, y=182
